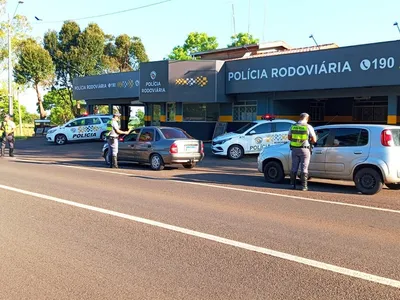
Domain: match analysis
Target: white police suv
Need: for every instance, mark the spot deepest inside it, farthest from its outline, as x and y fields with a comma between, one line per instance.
x=90, y=127
x=252, y=138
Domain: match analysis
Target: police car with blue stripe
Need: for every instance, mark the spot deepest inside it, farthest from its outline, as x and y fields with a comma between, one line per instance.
x=252, y=138
x=92, y=127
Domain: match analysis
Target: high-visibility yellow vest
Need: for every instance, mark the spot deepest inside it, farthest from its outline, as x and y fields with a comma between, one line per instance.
x=299, y=135
x=7, y=127
x=109, y=127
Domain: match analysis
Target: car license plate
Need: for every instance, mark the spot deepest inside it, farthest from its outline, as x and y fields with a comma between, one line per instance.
x=191, y=148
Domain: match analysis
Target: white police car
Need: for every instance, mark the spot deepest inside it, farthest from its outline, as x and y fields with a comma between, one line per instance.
x=91, y=127
x=252, y=138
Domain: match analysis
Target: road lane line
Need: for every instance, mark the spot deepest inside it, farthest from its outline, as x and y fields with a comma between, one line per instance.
x=242, y=190
x=237, y=244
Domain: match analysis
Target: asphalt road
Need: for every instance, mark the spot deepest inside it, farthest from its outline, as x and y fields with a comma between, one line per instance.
x=72, y=229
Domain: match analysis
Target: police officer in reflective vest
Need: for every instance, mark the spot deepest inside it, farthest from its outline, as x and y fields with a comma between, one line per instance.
x=7, y=129
x=301, y=135
x=113, y=132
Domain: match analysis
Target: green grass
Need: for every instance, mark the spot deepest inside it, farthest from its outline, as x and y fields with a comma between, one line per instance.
x=20, y=138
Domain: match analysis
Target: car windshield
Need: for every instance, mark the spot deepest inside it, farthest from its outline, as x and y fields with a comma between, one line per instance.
x=175, y=133
x=245, y=127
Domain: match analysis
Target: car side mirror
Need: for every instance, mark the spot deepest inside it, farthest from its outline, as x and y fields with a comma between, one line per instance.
x=252, y=132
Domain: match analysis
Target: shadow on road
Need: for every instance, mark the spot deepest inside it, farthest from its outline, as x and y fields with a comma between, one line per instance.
x=259, y=182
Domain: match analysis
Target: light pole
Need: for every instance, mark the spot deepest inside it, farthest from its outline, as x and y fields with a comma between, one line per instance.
x=397, y=25
x=10, y=97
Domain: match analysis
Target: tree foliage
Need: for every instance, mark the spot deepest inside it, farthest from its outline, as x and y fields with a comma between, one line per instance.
x=26, y=117
x=77, y=53
x=34, y=68
x=20, y=28
x=60, y=110
x=242, y=39
x=195, y=42
x=124, y=53
x=138, y=120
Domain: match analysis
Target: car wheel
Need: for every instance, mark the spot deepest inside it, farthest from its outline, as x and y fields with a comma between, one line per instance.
x=273, y=172
x=189, y=166
x=393, y=186
x=106, y=157
x=235, y=152
x=156, y=162
x=368, y=181
x=103, y=136
x=60, y=139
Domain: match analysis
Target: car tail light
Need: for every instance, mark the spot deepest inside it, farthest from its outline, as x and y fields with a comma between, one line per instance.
x=173, y=148
x=202, y=148
x=387, y=138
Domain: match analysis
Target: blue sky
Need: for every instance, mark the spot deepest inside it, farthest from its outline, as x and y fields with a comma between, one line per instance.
x=161, y=27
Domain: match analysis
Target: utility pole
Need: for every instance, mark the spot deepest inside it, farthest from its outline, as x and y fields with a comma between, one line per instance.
x=233, y=19
x=265, y=19
x=10, y=97
x=10, y=93
x=248, y=24
x=19, y=113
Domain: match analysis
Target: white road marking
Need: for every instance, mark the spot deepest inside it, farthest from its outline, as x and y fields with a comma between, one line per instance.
x=278, y=254
x=243, y=190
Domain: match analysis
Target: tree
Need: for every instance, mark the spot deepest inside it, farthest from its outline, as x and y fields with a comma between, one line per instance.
x=60, y=110
x=20, y=29
x=138, y=120
x=34, y=68
x=242, y=39
x=124, y=53
x=26, y=117
x=195, y=42
x=74, y=54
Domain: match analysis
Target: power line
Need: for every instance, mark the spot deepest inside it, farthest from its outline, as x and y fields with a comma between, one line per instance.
x=107, y=14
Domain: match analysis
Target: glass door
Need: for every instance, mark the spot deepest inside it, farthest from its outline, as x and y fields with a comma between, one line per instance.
x=155, y=120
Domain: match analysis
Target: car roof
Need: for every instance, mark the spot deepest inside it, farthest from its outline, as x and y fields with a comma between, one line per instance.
x=274, y=120
x=91, y=116
x=359, y=125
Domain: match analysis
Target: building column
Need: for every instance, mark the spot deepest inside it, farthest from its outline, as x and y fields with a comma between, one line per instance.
x=163, y=112
x=125, y=115
x=225, y=112
x=147, y=113
x=392, y=109
x=179, y=112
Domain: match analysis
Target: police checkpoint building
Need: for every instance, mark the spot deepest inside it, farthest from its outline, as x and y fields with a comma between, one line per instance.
x=355, y=84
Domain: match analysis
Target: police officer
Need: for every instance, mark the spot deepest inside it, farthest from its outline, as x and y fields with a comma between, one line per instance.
x=7, y=128
x=114, y=131
x=301, y=135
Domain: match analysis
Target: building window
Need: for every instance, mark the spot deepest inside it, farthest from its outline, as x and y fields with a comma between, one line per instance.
x=200, y=112
x=317, y=110
x=171, y=111
x=245, y=110
x=370, y=111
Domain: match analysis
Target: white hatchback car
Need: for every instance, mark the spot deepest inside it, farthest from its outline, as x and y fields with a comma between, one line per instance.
x=91, y=127
x=369, y=155
x=252, y=138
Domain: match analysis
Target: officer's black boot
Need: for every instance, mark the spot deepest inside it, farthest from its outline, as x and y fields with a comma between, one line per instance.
x=114, y=162
x=293, y=180
x=11, y=152
x=304, y=181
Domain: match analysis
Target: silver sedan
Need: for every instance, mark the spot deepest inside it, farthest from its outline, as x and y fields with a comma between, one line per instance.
x=158, y=146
